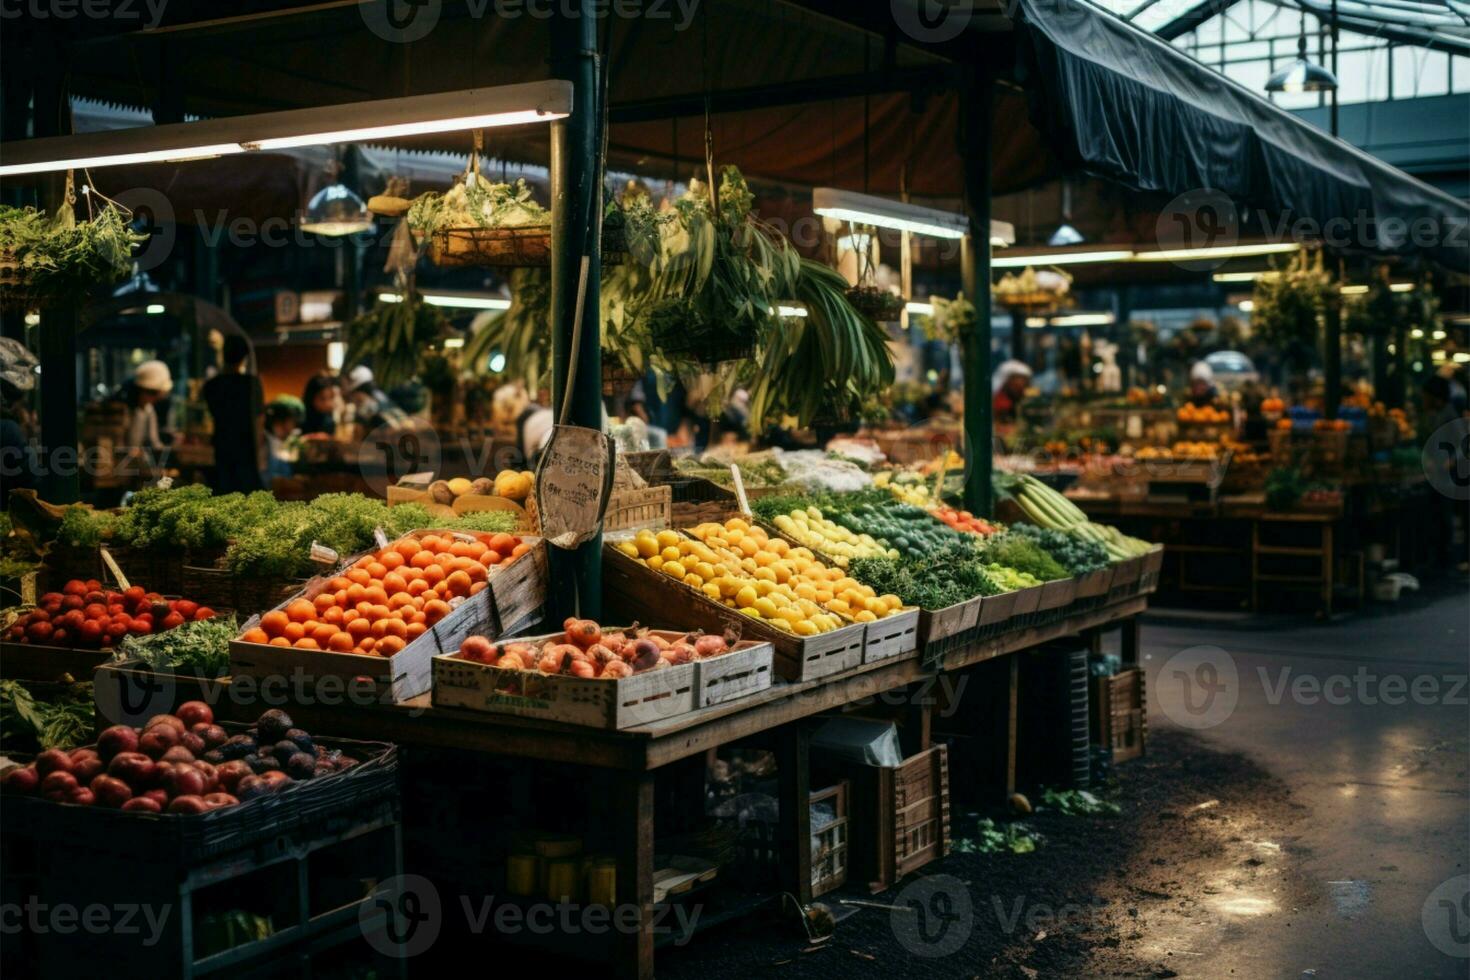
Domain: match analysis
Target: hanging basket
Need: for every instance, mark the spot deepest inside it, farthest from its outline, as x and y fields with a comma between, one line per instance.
x=17, y=293
x=874, y=303
x=711, y=353
x=525, y=247
x=1040, y=301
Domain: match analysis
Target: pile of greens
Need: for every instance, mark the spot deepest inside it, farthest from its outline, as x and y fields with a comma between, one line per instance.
x=63, y=255
x=1021, y=553
x=933, y=581
x=1079, y=803
x=201, y=647
x=1076, y=554
x=83, y=527
x=28, y=724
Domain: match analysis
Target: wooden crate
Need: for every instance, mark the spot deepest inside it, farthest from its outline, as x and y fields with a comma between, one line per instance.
x=830, y=840
x=1056, y=594
x=612, y=704
x=996, y=609
x=919, y=810
x=745, y=670
x=511, y=600
x=1094, y=584
x=940, y=624
x=38, y=662
x=1126, y=574
x=1027, y=600
x=1118, y=714
x=892, y=636
x=635, y=591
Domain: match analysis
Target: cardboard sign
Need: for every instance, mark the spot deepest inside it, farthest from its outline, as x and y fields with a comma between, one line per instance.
x=573, y=484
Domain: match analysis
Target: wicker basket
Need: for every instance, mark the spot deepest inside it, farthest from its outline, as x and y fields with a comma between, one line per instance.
x=524, y=247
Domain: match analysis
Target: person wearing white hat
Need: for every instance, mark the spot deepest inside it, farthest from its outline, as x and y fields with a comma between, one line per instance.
x=1202, y=389
x=1007, y=387
x=151, y=383
x=371, y=406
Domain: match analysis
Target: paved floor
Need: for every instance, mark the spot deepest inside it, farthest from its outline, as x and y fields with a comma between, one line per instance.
x=1303, y=802
x=1365, y=720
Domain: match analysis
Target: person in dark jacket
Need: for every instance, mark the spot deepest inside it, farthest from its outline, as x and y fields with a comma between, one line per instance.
x=234, y=398
x=322, y=399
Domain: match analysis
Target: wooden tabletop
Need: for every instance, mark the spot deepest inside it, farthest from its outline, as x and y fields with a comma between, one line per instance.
x=419, y=722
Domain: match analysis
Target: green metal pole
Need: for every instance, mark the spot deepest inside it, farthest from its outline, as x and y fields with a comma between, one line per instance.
x=977, y=119
x=576, y=231
x=1332, y=348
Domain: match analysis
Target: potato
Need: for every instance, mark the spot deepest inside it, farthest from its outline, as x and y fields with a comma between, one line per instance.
x=459, y=486
x=484, y=487
x=440, y=493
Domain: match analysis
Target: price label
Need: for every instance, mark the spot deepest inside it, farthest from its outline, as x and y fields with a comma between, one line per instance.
x=322, y=555
x=573, y=484
x=379, y=537
x=117, y=573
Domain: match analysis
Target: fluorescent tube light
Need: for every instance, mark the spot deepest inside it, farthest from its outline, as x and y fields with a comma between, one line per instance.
x=1353, y=290
x=866, y=209
x=1060, y=258
x=1217, y=252
x=1244, y=276
x=153, y=309
x=442, y=112
x=450, y=343
x=1246, y=305
x=453, y=302
x=921, y=309
x=1082, y=320
x=1400, y=287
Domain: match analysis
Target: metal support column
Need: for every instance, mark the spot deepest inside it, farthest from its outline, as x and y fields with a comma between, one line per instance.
x=1332, y=348
x=576, y=231
x=977, y=117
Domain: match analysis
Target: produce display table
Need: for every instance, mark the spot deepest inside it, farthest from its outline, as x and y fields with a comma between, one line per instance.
x=634, y=755
x=1240, y=546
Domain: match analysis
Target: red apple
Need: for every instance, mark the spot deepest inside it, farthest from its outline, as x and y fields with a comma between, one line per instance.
x=188, y=804
x=111, y=791
x=133, y=768
x=144, y=804
x=192, y=713
x=53, y=760
x=184, y=781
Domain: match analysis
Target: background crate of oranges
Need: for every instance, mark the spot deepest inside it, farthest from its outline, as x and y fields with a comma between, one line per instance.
x=388, y=612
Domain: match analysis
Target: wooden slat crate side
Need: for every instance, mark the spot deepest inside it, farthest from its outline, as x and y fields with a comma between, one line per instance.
x=830, y=845
x=997, y=608
x=892, y=636
x=941, y=623
x=1119, y=716
x=1056, y=594
x=1027, y=601
x=745, y=670
x=1095, y=584
x=37, y=662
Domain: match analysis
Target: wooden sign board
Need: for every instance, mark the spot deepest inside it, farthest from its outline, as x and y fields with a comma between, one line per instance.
x=573, y=484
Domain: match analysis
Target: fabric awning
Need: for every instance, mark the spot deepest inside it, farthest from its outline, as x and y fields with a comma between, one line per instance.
x=1119, y=103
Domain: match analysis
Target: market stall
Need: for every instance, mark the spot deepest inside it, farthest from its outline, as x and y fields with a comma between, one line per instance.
x=603, y=626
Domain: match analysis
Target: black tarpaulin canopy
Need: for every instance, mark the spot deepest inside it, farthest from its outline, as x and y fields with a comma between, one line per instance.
x=1121, y=104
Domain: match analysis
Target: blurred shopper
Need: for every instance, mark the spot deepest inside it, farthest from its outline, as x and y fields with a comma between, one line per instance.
x=322, y=399
x=282, y=436
x=1008, y=388
x=1202, y=390
x=149, y=387
x=234, y=398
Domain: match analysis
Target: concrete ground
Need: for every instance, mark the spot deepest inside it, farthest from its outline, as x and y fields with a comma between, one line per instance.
x=1303, y=811
x=1365, y=720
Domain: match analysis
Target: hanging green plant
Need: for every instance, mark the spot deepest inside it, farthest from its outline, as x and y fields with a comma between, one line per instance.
x=45, y=257
x=395, y=337
x=1374, y=313
x=952, y=319
x=1287, y=307
x=700, y=290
